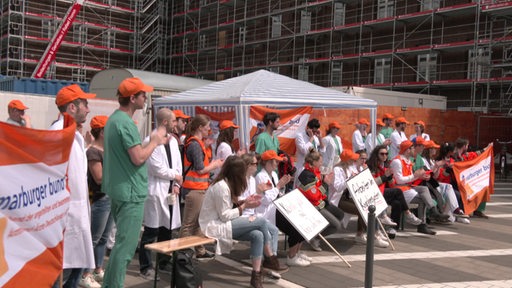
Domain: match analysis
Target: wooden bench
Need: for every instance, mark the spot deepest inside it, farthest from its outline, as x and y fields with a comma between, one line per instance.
x=170, y=246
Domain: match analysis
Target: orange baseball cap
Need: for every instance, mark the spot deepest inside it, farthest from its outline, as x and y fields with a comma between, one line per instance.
x=132, y=86
x=363, y=121
x=98, y=121
x=17, y=104
x=180, y=114
x=270, y=154
x=406, y=144
x=419, y=141
x=380, y=123
x=71, y=93
x=401, y=120
x=334, y=124
x=388, y=116
x=431, y=144
x=225, y=124
x=419, y=123
x=347, y=155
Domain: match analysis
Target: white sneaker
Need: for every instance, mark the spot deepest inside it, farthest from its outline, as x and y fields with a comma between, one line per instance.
x=315, y=244
x=297, y=261
x=463, y=220
x=99, y=276
x=88, y=282
x=305, y=257
x=412, y=219
x=381, y=243
x=361, y=238
x=385, y=220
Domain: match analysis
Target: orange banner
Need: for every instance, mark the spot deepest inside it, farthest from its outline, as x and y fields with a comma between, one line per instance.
x=34, y=202
x=292, y=121
x=475, y=179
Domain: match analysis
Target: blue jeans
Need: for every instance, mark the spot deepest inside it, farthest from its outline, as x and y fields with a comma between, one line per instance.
x=101, y=225
x=255, y=231
x=70, y=278
x=274, y=235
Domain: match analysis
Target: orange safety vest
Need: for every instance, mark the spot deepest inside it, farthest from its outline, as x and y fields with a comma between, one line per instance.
x=194, y=180
x=406, y=171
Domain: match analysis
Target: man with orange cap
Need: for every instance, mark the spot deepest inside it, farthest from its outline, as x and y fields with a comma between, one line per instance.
x=397, y=137
x=359, y=135
x=333, y=147
x=125, y=175
x=404, y=178
x=78, y=250
x=368, y=143
x=419, y=130
x=181, y=124
x=387, y=119
x=17, y=116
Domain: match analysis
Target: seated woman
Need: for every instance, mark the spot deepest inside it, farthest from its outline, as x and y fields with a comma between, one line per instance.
x=220, y=216
x=379, y=166
x=340, y=197
x=251, y=162
x=451, y=205
x=315, y=190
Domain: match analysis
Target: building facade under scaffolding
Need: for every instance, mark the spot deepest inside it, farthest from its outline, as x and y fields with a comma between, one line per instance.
x=456, y=48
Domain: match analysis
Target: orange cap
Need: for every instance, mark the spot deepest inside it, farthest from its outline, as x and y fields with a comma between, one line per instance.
x=363, y=121
x=401, y=120
x=17, y=104
x=406, y=144
x=180, y=114
x=388, y=116
x=98, y=121
x=270, y=154
x=419, y=141
x=380, y=123
x=334, y=124
x=225, y=124
x=347, y=155
x=71, y=93
x=431, y=144
x=419, y=123
x=132, y=86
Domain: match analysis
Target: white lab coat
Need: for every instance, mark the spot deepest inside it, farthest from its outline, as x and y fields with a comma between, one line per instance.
x=425, y=136
x=357, y=141
x=330, y=157
x=156, y=208
x=78, y=251
x=396, y=139
x=368, y=143
x=267, y=209
x=303, y=145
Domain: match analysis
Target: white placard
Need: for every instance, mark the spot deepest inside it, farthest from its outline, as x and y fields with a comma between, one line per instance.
x=365, y=192
x=301, y=213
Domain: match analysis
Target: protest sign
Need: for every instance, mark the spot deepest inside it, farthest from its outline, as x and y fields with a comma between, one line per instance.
x=365, y=192
x=301, y=214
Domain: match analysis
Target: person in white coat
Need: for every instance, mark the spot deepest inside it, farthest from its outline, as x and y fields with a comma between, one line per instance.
x=333, y=147
x=419, y=130
x=164, y=180
x=78, y=251
x=305, y=142
x=369, y=144
x=397, y=137
x=359, y=135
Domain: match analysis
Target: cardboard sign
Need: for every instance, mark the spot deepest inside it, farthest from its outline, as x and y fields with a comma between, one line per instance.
x=301, y=214
x=365, y=192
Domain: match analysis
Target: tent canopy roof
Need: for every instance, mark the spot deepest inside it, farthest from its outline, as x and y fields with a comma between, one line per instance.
x=267, y=89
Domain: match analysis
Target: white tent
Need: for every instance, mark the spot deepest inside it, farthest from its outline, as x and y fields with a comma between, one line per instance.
x=264, y=88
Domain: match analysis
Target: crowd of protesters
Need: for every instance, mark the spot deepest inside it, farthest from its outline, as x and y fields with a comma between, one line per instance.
x=179, y=177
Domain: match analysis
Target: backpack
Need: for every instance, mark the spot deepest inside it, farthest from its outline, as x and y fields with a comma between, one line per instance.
x=186, y=273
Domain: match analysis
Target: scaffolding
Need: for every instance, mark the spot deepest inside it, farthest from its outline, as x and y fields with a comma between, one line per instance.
x=456, y=48
x=105, y=34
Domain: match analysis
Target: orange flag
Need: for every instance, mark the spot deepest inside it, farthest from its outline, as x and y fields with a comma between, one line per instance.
x=475, y=179
x=34, y=202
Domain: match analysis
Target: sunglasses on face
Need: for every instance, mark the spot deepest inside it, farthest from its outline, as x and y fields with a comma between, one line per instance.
x=384, y=153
